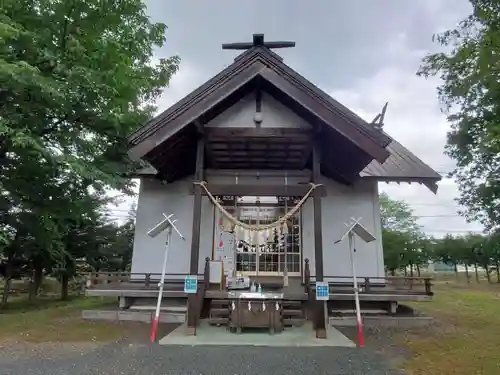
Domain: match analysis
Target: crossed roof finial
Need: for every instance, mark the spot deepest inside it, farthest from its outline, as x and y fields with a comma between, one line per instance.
x=258, y=41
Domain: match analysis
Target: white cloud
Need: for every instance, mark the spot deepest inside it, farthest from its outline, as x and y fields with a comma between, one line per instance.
x=182, y=83
x=415, y=120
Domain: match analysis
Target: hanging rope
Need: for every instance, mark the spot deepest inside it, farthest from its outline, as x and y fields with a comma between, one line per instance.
x=257, y=228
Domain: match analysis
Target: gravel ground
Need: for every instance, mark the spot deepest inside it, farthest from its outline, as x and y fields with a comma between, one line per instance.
x=133, y=356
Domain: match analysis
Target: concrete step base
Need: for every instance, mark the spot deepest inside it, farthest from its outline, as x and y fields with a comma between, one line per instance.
x=383, y=321
x=350, y=312
x=135, y=316
x=163, y=308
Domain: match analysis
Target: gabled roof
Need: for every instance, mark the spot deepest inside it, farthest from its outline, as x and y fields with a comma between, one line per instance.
x=402, y=166
x=262, y=64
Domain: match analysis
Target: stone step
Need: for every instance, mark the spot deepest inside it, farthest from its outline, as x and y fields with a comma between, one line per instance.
x=294, y=322
x=219, y=312
x=291, y=303
x=219, y=321
x=352, y=312
x=163, y=308
x=136, y=316
x=294, y=313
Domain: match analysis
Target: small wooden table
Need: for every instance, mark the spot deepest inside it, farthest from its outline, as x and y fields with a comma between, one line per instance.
x=255, y=310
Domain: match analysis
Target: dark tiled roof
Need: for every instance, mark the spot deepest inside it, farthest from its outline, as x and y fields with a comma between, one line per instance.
x=402, y=165
x=258, y=63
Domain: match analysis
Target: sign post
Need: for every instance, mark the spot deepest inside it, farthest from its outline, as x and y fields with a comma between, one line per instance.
x=191, y=284
x=322, y=292
x=166, y=224
x=356, y=229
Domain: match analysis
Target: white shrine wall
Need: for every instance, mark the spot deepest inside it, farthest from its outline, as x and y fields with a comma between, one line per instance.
x=340, y=204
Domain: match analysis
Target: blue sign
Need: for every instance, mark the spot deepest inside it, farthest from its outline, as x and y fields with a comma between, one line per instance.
x=190, y=284
x=322, y=291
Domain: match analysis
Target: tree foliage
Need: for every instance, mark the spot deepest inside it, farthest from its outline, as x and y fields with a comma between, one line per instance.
x=396, y=215
x=470, y=94
x=77, y=76
x=403, y=242
x=407, y=249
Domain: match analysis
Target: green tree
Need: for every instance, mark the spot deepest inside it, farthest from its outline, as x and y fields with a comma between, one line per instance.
x=77, y=77
x=397, y=215
x=469, y=68
x=402, y=239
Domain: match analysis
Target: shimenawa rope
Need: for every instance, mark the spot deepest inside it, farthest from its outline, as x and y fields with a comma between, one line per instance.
x=257, y=228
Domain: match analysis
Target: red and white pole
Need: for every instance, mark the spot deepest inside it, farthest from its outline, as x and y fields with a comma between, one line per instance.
x=162, y=281
x=359, y=322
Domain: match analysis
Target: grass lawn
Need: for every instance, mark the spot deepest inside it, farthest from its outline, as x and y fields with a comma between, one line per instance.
x=466, y=340
x=48, y=319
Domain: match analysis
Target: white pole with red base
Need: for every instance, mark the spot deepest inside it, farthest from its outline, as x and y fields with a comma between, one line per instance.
x=354, y=228
x=359, y=322
x=166, y=224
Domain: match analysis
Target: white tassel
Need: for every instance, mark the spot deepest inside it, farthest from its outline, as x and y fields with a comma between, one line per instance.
x=255, y=239
x=248, y=237
x=227, y=225
x=240, y=234
x=284, y=228
x=268, y=235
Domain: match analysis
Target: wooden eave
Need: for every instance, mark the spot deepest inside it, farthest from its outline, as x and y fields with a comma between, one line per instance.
x=259, y=63
x=402, y=166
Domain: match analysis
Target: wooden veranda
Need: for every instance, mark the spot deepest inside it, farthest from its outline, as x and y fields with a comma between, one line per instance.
x=372, y=289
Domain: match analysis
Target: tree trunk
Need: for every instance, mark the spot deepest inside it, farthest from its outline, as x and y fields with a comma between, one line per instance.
x=393, y=272
x=455, y=269
x=36, y=282
x=477, y=273
x=8, y=283
x=38, y=279
x=488, y=274
x=467, y=273
x=418, y=270
x=498, y=271
x=31, y=289
x=411, y=269
x=64, y=286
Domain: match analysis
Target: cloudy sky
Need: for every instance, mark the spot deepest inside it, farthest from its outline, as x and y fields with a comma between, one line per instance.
x=363, y=53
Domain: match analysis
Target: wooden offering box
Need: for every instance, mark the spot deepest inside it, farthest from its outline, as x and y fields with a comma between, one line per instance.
x=255, y=310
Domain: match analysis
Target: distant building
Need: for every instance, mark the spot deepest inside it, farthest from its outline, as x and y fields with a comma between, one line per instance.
x=441, y=267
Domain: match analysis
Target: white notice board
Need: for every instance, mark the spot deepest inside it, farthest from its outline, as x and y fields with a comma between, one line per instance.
x=216, y=271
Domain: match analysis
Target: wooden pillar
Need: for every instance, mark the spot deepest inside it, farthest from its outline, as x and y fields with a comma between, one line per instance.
x=194, y=308
x=319, y=316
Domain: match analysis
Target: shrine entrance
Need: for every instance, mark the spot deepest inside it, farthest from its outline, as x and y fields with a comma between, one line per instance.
x=274, y=252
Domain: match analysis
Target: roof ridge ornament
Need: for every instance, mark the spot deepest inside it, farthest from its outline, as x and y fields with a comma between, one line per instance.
x=378, y=121
x=258, y=41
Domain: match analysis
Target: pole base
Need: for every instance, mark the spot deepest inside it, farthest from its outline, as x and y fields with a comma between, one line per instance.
x=361, y=336
x=154, y=329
